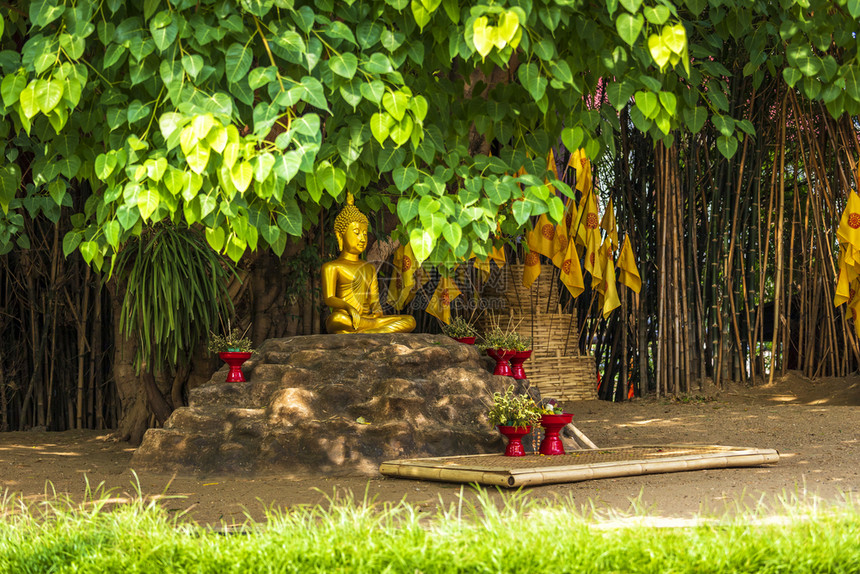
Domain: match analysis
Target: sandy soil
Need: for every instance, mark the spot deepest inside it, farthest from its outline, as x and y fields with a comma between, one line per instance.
x=814, y=425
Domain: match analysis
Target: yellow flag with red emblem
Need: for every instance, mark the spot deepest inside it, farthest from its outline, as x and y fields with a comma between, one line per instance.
x=849, y=226
x=590, y=222
x=627, y=264
x=440, y=303
x=579, y=162
x=571, y=273
x=604, y=254
x=531, y=269
x=541, y=238
x=848, y=234
x=403, y=285
x=562, y=234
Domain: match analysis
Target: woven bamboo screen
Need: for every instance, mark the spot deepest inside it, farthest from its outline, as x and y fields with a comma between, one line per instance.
x=556, y=367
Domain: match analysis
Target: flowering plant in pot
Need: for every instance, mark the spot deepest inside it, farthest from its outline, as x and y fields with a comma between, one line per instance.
x=514, y=416
x=234, y=348
x=552, y=419
x=461, y=330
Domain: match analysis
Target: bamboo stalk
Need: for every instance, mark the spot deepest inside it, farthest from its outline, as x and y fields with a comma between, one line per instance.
x=729, y=269
x=779, y=247
x=82, y=343
x=665, y=324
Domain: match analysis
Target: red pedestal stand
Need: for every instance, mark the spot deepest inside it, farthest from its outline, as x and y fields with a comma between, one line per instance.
x=503, y=367
x=515, y=439
x=552, y=424
x=517, y=364
x=235, y=360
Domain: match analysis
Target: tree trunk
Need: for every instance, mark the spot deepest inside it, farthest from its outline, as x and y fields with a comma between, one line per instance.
x=133, y=411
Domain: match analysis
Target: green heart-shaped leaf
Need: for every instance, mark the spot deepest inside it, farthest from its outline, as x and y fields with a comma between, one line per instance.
x=647, y=104
x=395, y=103
x=659, y=50
x=379, y=126
x=628, y=27
x=215, y=238
x=422, y=243
x=482, y=36
x=507, y=27
x=675, y=38
x=727, y=145
x=656, y=15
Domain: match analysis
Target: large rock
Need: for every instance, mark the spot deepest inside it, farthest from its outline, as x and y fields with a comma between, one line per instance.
x=299, y=412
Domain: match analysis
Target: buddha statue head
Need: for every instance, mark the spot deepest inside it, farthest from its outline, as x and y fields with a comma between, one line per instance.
x=350, y=228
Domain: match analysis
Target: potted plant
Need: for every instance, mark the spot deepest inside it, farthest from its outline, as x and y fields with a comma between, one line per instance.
x=523, y=347
x=234, y=348
x=514, y=416
x=496, y=343
x=460, y=330
x=552, y=419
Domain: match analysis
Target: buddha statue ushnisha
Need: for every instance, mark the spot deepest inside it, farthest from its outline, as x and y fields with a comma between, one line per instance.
x=349, y=284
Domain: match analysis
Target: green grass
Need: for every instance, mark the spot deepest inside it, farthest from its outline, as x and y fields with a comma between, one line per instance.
x=350, y=535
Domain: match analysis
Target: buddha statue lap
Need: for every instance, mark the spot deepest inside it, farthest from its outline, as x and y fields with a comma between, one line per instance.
x=349, y=284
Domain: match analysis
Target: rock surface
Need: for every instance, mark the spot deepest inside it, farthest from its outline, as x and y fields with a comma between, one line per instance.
x=422, y=395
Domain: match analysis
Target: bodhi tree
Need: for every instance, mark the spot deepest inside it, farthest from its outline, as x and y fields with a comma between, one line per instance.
x=244, y=119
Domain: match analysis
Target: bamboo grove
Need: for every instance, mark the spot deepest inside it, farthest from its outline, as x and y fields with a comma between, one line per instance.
x=727, y=245
x=168, y=164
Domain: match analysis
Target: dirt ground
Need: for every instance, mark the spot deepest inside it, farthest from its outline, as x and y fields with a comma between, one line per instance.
x=815, y=426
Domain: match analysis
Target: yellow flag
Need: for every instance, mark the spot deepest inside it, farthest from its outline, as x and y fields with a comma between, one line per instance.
x=579, y=161
x=843, y=286
x=627, y=264
x=541, y=238
x=849, y=226
x=550, y=166
x=482, y=265
x=577, y=226
x=610, y=291
x=590, y=221
x=608, y=224
x=854, y=308
x=604, y=255
x=849, y=269
x=395, y=287
x=440, y=303
x=403, y=287
x=562, y=234
x=498, y=255
x=531, y=269
x=571, y=273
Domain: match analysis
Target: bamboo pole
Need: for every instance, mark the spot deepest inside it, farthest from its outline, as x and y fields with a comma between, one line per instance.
x=779, y=247
x=729, y=269
x=662, y=290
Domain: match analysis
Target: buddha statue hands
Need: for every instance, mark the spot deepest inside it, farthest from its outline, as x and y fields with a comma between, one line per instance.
x=349, y=284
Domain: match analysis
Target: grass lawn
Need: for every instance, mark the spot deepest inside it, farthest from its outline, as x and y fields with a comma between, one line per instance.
x=103, y=536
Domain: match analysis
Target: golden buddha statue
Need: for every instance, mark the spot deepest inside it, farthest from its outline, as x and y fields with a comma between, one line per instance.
x=349, y=284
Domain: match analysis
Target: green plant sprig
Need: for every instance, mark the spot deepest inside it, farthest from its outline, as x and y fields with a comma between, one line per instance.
x=511, y=409
x=459, y=328
x=235, y=341
x=497, y=338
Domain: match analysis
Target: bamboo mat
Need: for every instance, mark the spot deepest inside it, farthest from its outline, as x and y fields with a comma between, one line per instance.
x=533, y=470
